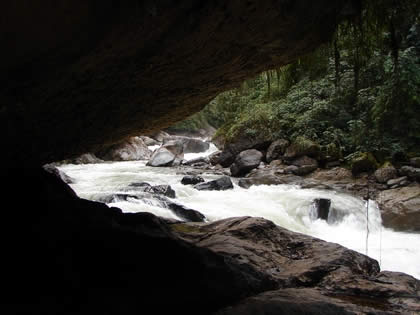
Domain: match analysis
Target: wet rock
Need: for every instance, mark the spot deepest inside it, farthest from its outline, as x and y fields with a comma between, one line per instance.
x=161, y=157
x=322, y=208
x=203, y=160
x=132, y=149
x=276, y=150
x=245, y=162
x=400, y=208
x=50, y=168
x=214, y=157
x=169, y=154
x=189, y=215
x=192, y=180
x=222, y=183
x=384, y=174
x=164, y=190
x=311, y=276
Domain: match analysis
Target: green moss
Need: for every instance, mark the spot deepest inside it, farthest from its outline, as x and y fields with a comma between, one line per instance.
x=363, y=162
x=185, y=228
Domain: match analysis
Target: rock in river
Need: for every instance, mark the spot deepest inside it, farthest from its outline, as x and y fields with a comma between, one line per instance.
x=246, y=161
x=400, y=208
x=222, y=183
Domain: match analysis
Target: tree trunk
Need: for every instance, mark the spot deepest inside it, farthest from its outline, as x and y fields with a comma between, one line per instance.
x=268, y=74
x=336, y=65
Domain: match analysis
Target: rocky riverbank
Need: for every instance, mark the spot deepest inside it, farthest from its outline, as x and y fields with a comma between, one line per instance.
x=308, y=165
x=305, y=164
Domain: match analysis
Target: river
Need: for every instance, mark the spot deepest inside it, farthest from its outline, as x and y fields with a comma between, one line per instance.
x=286, y=205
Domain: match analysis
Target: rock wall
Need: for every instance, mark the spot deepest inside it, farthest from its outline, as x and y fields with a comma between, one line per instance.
x=77, y=76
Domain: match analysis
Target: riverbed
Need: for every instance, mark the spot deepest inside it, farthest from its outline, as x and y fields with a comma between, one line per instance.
x=353, y=222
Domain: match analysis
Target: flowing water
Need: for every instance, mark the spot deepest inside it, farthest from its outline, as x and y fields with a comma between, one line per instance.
x=286, y=205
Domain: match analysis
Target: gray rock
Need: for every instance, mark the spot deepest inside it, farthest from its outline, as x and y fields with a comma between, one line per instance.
x=164, y=190
x=397, y=181
x=222, y=183
x=133, y=149
x=169, y=154
x=411, y=172
x=245, y=162
x=149, y=141
x=276, y=150
x=190, y=145
x=322, y=208
x=161, y=157
x=187, y=214
x=310, y=276
x=291, y=169
x=400, y=208
x=300, y=148
x=384, y=174
x=192, y=180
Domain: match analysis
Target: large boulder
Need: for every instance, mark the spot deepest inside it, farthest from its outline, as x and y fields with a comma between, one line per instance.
x=304, y=164
x=245, y=162
x=276, y=150
x=400, y=208
x=149, y=141
x=190, y=145
x=132, y=149
x=384, y=174
x=310, y=276
x=321, y=208
x=302, y=146
x=164, y=190
x=222, y=183
x=231, y=150
x=169, y=154
x=185, y=213
x=362, y=162
x=192, y=180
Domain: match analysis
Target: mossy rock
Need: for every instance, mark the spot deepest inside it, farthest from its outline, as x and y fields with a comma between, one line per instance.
x=363, y=162
x=185, y=228
x=302, y=146
x=331, y=152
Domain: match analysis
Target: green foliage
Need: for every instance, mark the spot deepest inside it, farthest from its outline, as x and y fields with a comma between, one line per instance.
x=360, y=93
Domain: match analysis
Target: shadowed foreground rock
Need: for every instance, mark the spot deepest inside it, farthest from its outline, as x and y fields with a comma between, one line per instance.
x=73, y=256
x=311, y=276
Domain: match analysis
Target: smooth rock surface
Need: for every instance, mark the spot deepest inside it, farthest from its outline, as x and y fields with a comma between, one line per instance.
x=245, y=162
x=222, y=183
x=311, y=276
x=400, y=208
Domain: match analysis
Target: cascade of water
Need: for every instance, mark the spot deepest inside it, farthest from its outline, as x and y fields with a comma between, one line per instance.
x=286, y=205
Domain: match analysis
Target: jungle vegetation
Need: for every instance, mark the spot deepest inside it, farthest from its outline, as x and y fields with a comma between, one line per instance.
x=359, y=93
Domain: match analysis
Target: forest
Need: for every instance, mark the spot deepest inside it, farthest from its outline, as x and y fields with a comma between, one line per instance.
x=360, y=92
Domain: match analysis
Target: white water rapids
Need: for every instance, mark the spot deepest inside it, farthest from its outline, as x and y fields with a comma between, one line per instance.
x=286, y=205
